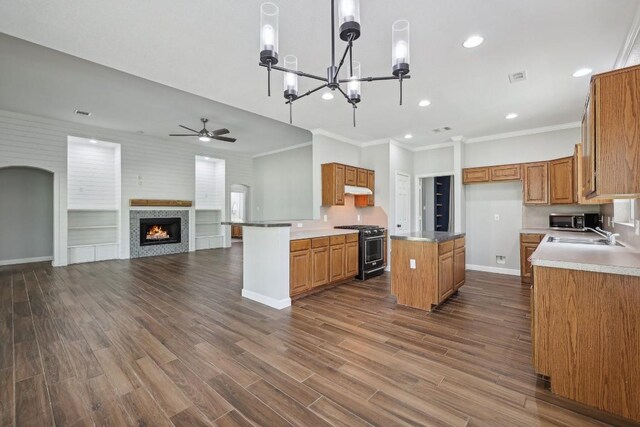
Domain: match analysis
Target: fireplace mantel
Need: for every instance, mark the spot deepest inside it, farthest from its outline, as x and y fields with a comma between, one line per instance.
x=157, y=203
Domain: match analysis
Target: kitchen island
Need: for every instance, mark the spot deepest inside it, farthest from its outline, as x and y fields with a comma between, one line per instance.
x=427, y=267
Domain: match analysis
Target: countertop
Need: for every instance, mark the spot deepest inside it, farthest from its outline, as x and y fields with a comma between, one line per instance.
x=311, y=234
x=428, y=236
x=259, y=224
x=574, y=256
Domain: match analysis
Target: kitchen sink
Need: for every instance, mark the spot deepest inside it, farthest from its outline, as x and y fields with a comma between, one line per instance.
x=580, y=240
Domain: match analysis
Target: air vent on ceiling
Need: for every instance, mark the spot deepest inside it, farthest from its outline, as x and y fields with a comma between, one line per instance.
x=442, y=129
x=520, y=76
x=82, y=113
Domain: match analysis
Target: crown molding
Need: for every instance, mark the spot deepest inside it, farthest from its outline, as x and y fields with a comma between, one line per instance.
x=281, y=150
x=434, y=146
x=525, y=132
x=375, y=142
x=335, y=136
x=629, y=43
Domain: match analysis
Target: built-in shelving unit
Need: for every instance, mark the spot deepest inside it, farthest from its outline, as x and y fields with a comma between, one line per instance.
x=93, y=214
x=210, y=202
x=209, y=231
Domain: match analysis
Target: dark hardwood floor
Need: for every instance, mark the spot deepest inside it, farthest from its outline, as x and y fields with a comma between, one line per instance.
x=169, y=341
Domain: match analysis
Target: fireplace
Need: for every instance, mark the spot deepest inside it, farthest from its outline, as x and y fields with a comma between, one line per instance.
x=160, y=231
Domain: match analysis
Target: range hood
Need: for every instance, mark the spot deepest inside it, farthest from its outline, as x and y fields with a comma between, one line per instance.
x=357, y=191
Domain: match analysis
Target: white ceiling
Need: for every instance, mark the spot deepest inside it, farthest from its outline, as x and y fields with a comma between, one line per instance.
x=210, y=48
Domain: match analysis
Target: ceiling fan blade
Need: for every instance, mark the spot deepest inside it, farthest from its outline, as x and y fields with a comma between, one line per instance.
x=184, y=127
x=224, y=138
x=222, y=131
x=183, y=134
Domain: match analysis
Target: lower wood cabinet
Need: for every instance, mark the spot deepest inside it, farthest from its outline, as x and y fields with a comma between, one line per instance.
x=528, y=245
x=445, y=275
x=459, y=266
x=322, y=261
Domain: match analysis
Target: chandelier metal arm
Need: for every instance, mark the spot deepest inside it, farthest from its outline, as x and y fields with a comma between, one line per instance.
x=300, y=73
x=349, y=100
x=374, y=79
x=344, y=56
x=307, y=93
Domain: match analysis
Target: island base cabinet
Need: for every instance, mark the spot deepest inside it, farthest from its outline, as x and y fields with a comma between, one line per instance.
x=439, y=271
x=585, y=336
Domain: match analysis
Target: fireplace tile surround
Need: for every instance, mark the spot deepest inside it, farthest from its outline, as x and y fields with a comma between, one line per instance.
x=138, y=251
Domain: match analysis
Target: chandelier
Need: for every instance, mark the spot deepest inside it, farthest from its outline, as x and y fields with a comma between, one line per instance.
x=350, y=77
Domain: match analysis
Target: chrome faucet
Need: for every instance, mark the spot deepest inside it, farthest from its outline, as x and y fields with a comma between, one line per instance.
x=611, y=237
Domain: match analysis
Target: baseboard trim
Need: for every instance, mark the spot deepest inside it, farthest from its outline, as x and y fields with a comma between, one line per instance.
x=498, y=270
x=26, y=260
x=268, y=301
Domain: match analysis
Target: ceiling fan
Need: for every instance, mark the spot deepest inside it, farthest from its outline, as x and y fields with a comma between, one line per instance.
x=206, y=135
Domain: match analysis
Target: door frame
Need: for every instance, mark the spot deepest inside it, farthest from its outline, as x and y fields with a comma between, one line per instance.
x=417, y=195
x=395, y=199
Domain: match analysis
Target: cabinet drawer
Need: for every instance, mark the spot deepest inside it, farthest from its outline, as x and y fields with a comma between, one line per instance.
x=532, y=238
x=506, y=172
x=459, y=243
x=445, y=247
x=300, y=245
x=320, y=242
x=337, y=240
x=352, y=237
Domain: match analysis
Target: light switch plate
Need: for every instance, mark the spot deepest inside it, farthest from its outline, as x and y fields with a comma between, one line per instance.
x=637, y=227
x=412, y=264
x=299, y=225
x=325, y=218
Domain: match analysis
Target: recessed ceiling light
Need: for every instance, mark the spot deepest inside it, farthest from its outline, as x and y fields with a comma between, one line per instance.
x=204, y=139
x=327, y=96
x=206, y=158
x=408, y=136
x=93, y=141
x=424, y=103
x=473, y=41
x=511, y=116
x=582, y=72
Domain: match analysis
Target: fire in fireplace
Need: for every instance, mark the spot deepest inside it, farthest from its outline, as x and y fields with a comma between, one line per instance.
x=155, y=231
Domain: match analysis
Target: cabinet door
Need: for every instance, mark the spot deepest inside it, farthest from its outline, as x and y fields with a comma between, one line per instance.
x=445, y=275
x=561, y=183
x=336, y=263
x=473, y=175
x=371, y=183
x=588, y=146
x=351, y=259
x=299, y=272
x=506, y=173
x=362, y=178
x=526, y=250
x=459, y=267
x=320, y=266
x=339, y=184
x=536, y=183
x=350, y=175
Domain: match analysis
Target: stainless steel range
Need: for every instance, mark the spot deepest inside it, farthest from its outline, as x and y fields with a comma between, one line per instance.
x=371, y=250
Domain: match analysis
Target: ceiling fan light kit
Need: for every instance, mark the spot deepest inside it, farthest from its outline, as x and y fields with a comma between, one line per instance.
x=349, y=31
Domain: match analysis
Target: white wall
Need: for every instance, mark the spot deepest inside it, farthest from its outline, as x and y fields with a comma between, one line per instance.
x=284, y=185
x=400, y=161
x=436, y=161
x=487, y=238
x=152, y=168
x=26, y=215
x=210, y=183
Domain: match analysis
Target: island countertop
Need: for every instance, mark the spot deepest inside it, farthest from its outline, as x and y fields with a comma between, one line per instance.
x=428, y=236
x=267, y=224
x=312, y=234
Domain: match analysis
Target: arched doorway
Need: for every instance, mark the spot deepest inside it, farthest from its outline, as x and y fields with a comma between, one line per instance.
x=27, y=212
x=239, y=208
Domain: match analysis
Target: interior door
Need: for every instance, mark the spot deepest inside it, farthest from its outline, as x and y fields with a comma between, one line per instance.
x=403, y=203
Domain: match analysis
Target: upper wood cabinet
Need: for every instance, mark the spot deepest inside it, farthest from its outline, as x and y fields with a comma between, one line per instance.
x=561, y=181
x=350, y=175
x=578, y=177
x=474, y=175
x=536, y=183
x=611, y=135
x=333, y=182
x=335, y=176
x=506, y=172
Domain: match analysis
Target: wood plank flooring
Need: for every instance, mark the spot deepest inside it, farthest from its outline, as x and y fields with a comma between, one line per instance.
x=169, y=341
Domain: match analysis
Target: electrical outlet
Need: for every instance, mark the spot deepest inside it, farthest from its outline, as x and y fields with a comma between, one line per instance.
x=299, y=225
x=500, y=259
x=325, y=218
x=412, y=264
x=358, y=218
x=496, y=217
x=637, y=227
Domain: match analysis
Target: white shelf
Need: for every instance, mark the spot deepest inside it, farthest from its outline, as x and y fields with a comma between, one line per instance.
x=90, y=246
x=211, y=235
x=92, y=227
x=209, y=223
x=92, y=210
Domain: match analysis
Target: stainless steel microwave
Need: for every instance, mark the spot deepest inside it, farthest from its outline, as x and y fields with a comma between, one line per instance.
x=575, y=222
